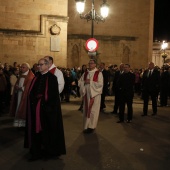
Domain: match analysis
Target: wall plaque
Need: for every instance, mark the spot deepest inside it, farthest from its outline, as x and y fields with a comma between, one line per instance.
x=55, y=44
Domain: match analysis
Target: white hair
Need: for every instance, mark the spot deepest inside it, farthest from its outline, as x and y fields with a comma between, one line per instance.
x=27, y=65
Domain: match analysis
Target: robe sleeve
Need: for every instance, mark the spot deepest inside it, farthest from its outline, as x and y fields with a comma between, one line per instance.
x=96, y=87
x=60, y=79
x=82, y=86
x=12, y=81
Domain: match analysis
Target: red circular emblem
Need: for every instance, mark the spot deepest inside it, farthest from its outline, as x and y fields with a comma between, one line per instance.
x=92, y=44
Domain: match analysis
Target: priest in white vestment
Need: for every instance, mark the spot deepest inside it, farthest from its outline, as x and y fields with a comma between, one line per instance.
x=91, y=85
x=18, y=107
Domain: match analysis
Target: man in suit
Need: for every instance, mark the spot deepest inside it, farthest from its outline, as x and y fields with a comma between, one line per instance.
x=150, y=87
x=105, y=85
x=164, y=86
x=126, y=92
x=116, y=88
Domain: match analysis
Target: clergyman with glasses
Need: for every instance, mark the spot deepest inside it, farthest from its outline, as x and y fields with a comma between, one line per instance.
x=91, y=85
x=44, y=126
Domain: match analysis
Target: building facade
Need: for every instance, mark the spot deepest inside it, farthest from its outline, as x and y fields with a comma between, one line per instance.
x=157, y=54
x=29, y=30
x=126, y=35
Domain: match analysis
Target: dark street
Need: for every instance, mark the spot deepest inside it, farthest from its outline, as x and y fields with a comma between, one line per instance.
x=143, y=144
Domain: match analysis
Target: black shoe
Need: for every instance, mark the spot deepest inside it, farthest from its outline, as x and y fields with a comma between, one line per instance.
x=153, y=114
x=50, y=156
x=80, y=109
x=102, y=110
x=120, y=121
x=144, y=115
x=160, y=105
x=34, y=158
x=128, y=121
x=113, y=112
x=89, y=130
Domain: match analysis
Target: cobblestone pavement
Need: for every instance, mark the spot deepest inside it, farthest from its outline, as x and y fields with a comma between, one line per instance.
x=143, y=144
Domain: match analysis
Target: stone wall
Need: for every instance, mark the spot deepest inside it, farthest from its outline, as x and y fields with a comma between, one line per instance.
x=125, y=36
x=25, y=30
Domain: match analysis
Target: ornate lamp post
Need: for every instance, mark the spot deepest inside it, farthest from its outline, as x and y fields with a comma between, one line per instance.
x=92, y=15
x=164, y=46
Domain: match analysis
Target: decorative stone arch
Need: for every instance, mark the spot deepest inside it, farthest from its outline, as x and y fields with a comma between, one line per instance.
x=126, y=54
x=75, y=53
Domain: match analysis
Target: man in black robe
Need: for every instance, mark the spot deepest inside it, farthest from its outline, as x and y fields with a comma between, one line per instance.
x=44, y=126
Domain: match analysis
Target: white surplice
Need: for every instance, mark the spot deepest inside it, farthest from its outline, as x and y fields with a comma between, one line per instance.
x=91, y=93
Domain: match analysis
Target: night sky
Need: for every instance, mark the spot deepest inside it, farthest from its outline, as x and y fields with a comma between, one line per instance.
x=162, y=20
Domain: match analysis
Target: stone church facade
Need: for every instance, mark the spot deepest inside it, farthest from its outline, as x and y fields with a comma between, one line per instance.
x=32, y=29
x=26, y=34
x=125, y=36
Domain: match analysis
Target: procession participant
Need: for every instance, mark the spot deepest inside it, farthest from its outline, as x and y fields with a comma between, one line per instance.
x=91, y=85
x=44, y=126
x=18, y=106
x=58, y=73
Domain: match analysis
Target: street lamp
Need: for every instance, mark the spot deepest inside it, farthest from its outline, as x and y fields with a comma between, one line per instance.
x=164, y=46
x=92, y=15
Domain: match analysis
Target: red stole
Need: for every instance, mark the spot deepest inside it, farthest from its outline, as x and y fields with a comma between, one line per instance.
x=95, y=77
x=52, y=70
x=38, y=121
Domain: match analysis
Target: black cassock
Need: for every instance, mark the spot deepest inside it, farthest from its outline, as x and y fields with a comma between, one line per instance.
x=44, y=124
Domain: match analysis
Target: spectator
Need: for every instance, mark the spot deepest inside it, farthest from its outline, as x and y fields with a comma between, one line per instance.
x=68, y=85
x=150, y=86
x=105, y=85
x=34, y=69
x=83, y=69
x=3, y=86
x=116, y=88
x=126, y=92
x=164, y=86
x=13, y=78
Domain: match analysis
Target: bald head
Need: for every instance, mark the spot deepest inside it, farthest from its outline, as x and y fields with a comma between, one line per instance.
x=50, y=60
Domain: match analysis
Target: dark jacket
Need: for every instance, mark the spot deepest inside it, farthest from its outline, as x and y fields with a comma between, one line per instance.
x=152, y=83
x=115, y=81
x=126, y=84
x=105, y=81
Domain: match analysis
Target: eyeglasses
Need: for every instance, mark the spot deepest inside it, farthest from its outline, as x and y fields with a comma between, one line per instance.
x=91, y=63
x=40, y=64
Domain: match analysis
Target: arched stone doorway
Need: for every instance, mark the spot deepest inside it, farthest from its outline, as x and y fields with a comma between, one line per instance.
x=73, y=59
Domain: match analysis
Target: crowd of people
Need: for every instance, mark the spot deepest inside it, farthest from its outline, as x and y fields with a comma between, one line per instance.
x=33, y=97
